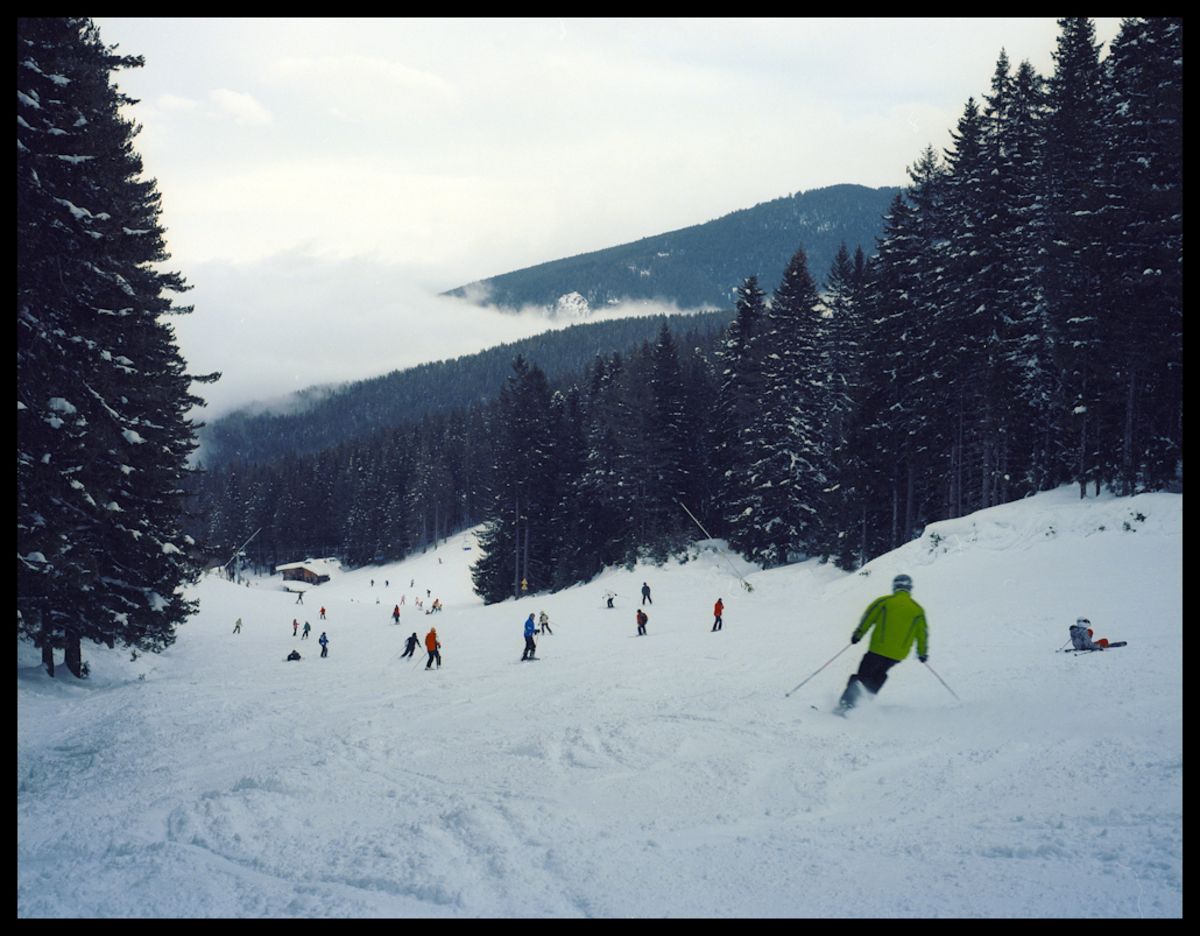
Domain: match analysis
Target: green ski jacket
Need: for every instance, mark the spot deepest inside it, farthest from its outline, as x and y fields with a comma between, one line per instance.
x=898, y=621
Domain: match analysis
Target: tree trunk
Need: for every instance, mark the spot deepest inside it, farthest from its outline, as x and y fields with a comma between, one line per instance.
x=73, y=658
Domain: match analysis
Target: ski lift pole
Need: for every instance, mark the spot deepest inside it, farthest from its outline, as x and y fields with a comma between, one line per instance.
x=825, y=664
x=237, y=552
x=942, y=681
x=746, y=585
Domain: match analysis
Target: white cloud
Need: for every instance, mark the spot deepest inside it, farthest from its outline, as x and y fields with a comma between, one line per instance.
x=173, y=102
x=241, y=106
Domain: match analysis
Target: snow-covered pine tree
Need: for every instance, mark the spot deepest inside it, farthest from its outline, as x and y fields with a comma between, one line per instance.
x=1074, y=270
x=667, y=470
x=846, y=331
x=976, y=304
x=900, y=363
x=1142, y=175
x=517, y=541
x=739, y=386
x=781, y=511
x=102, y=439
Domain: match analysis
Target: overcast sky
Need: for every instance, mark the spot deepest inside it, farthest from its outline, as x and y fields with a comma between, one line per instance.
x=323, y=180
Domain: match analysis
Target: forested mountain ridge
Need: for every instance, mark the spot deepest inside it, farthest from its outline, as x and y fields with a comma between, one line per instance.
x=326, y=416
x=703, y=265
x=696, y=267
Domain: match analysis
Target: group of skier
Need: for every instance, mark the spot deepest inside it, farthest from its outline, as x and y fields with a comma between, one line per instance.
x=894, y=621
x=643, y=619
x=323, y=640
x=431, y=644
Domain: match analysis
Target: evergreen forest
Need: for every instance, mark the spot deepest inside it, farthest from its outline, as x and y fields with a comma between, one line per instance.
x=1017, y=326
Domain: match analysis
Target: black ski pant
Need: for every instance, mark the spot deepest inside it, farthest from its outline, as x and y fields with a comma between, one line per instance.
x=433, y=655
x=530, y=648
x=871, y=675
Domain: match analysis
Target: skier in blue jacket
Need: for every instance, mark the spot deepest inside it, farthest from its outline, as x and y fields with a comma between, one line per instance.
x=530, y=646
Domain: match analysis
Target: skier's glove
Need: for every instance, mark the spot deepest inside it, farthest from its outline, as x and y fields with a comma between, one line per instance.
x=923, y=657
x=855, y=639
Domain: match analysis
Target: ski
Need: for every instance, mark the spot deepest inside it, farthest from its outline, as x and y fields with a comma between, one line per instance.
x=840, y=711
x=1111, y=646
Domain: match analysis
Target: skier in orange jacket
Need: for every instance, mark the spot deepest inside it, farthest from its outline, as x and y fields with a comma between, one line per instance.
x=717, y=609
x=432, y=645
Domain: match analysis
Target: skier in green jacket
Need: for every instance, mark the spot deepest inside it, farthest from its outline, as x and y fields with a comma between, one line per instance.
x=898, y=621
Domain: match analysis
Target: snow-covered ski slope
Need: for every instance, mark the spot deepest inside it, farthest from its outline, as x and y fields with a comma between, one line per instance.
x=628, y=776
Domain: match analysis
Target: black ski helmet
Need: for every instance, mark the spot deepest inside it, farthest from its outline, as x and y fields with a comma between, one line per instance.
x=902, y=583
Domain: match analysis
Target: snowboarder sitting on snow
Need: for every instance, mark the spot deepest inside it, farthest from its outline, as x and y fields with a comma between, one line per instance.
x=641, y=619
x=294, y=655
x=1081, y=636
x=410, y=645
x=898, y=620
x=530, y=646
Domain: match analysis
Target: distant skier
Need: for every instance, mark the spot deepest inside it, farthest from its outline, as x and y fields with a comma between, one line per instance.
x=717, y=609
x=396, y=615
x=237, y=628
x=530, y=646
x=307, y=628
x=544, y=624
x=322, y=612
x=646, y=593
x=641, y=619
x=295, y=627
x=609, y=596
x=410, y=645
x=898, y=621
x=432, y=645
x=324, y=642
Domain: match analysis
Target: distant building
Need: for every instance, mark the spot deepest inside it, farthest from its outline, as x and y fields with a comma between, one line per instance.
x=310, y=571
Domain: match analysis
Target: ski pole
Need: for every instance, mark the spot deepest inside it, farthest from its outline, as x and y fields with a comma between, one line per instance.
x=943, y=682
x=826, y=663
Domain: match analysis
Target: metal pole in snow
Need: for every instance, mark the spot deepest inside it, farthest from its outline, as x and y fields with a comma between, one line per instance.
x=823, y=665
x=942, y=681
x=746, y=585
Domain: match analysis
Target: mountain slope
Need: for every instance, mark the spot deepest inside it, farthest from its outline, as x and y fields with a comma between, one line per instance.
x=702, y=265
x=623, y=776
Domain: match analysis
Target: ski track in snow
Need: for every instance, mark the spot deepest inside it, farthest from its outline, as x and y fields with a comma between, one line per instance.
x=657, y=776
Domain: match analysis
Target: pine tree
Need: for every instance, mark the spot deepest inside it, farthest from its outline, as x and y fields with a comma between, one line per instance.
x=738, y=391
x=518, y=539
x=780, y=513
x=668, y=471
x=1074, y=269
x=101, y=388
x=1142, y=221
x=846, y=335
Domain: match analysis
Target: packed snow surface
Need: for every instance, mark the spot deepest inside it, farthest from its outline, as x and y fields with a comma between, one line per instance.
x=626, y=776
